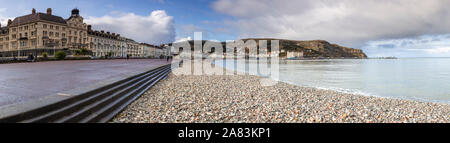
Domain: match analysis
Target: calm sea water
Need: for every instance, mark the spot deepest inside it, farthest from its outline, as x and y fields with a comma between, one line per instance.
x=423, y=79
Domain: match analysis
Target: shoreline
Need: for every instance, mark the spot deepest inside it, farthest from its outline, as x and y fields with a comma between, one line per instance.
x=349, y=90
x=236, y=99
x=362, y=93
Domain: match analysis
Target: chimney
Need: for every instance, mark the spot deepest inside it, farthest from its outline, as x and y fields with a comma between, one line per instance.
x=103, y=31
x=89, y=27
x=114, y=34
x=9, y=22
x=49, y=11
x=107, y=33
x=33, y=11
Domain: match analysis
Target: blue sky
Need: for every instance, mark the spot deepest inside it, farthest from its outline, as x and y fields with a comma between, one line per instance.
x=185, y=13
x=402, y=28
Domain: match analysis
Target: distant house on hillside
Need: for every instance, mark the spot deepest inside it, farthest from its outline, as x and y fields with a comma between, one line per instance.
x=294, y=55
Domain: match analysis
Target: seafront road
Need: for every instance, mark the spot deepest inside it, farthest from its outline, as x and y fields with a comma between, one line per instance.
x=24, y=82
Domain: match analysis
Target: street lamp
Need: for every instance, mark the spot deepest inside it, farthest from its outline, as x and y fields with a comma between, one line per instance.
x=63, y=42
x=45, y=40
x=35, y=41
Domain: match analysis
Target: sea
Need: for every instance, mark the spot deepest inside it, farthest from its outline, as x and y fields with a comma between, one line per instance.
x=420, y=79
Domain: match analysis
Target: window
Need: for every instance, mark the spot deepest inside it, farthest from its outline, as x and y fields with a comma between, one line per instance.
x=51, y=26
x=56, y=34
x=57, y=27
x=26, y=27
x=1, y=39
x=70, y=32
x=26, y=34
x=63, y=35
x=45, y=25
x=51, y=34
x=14, y=29
x=14, y=36
x=64, y=28
x=23, y=43
x=32, y=33
x=20, y=35
x=44, y=33
x=33, y=43
x=20, y=28
x=1, y=46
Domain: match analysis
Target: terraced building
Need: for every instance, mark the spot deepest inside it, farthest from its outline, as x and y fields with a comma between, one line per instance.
x=38, y=32
x=42, y=32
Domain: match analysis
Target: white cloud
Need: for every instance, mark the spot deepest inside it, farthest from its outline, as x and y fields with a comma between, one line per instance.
x=3, y=18
x=437, y=50
x=156, y=28
x=346, y=22
x=421, y=46
x=183, y=39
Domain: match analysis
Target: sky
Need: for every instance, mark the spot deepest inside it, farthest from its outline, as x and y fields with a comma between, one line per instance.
x=400, y=28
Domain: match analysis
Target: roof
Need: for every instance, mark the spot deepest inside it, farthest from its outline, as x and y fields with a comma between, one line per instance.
x=104, y=35
x=3, y=30
x=37, y=17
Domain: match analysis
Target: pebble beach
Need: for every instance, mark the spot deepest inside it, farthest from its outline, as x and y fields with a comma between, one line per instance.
x=241, y=99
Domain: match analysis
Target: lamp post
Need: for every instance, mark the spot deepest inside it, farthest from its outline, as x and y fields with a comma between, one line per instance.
x=45, y=40
x=18, y=48
x=63, y=42
x=36, y=40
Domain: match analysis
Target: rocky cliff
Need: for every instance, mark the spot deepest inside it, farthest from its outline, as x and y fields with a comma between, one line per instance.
x=318, y=49
x=310, y=49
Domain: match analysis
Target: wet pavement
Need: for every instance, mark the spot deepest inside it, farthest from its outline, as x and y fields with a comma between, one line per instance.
x=24, y=82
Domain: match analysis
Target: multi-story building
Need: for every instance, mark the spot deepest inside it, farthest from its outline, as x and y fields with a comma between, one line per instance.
x=37, y=32
x=4, y=40
x=133, y=48
x=160, y=51
x=145, y=49
x=42, y=32
x=152, y=51
x=148, y=50
x=106, y=44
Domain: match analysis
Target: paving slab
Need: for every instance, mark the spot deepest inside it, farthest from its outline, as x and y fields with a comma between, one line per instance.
x=42, y=82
